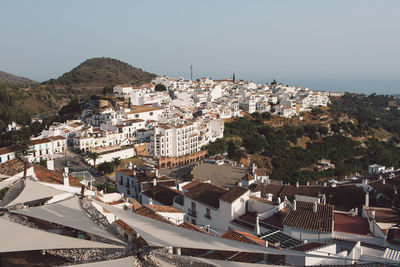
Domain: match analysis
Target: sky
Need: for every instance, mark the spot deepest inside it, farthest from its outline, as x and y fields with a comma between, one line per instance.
x=328, y=45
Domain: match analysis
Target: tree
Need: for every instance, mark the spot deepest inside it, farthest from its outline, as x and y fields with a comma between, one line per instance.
x=106, y=167
x=21, y=141
x=323, y=130
x=266, y=115
x=116, y=162
x=93, y=156
x=160, y=88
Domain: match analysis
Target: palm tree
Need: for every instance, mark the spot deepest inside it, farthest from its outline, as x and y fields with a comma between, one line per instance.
x=116, y=162
x=93, y=156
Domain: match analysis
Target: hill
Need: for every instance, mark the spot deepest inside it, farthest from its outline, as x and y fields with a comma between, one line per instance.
x=353, y=132
x=97, y=73
x=9, y=78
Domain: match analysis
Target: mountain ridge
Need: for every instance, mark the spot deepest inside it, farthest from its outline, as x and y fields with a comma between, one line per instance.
x=13, y=79
x=97, y=73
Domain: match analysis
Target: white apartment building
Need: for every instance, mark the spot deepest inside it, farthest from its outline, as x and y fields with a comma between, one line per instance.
x=47, y=148
x=144, y=112
x=175, y=140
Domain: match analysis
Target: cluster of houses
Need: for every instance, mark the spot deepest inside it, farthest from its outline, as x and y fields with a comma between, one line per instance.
x=256, y=221
x=172, y=125
x=314, y=219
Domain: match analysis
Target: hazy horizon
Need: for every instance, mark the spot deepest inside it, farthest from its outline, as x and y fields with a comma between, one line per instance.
x=338, y=45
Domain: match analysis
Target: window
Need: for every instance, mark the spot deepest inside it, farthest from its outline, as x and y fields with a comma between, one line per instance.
x=194, y=221
x=208, y=213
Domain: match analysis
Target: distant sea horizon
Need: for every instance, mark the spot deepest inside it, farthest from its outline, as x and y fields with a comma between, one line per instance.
x=389, y=87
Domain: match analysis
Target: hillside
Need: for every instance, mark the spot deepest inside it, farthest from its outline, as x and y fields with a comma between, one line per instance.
x=9, y=78
x=97, y=73
x=353, y=132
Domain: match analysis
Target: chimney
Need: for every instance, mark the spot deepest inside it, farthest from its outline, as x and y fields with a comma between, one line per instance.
x=278, y=200
x=294, y=205
x=130, y=166
x=269, y=197
x=257, y=225
x=315, y=207
x=366, y=199
x=323, y=199
x=308, y=183
x=25, y=166
x=253, y=168
x=383, y=181
x=324, y=183
x=82, y=190
x=297, y=183
x=157, y=174
x=372, y=215
x=66, y=170
x=154, y=181
x=66, y=180
x=50, y=164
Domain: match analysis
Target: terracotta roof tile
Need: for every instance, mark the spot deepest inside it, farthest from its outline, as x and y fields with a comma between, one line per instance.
x=304, y=217
x=243, y=237
x=53, y=176
x=57, y=137
x=145, y=211
x=234, y=194
x=350, y=224
x=247, y=177
x=126, y=227
x=6, y=150
x=162, y=194
x=159, y=208
x=192, y=227
x=207, y=193
x=12, y=167
x=191, y=184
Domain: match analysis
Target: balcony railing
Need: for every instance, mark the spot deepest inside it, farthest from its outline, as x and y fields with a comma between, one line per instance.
x=192, y=213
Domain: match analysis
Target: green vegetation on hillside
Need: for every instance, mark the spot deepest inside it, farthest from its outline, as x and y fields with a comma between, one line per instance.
x=350, y=145
x=64, y=96
x=97, y=73
x=9, y=78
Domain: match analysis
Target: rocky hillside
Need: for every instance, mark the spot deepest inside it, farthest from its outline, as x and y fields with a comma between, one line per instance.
x=9, y=78
x=98, y=73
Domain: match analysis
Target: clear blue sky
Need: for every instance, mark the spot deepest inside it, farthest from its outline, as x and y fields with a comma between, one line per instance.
x=341, y=44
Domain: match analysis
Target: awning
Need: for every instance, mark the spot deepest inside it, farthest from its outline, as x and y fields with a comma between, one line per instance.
x=67, y=213
x=124, y=262
x=17, y=237
x=34, y=191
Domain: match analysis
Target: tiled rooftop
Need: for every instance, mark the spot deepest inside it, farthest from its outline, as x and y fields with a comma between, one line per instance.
x=234, y=194
x=350, y=224
x=12, y=167
x=304, y=217
x=53, y=176
x=207, y=194
x=243, y=237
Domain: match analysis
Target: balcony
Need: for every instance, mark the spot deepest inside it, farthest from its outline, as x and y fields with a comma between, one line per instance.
x=192, y=213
